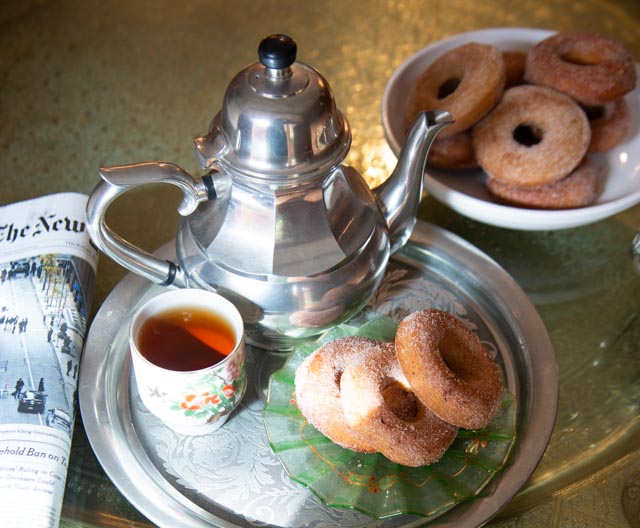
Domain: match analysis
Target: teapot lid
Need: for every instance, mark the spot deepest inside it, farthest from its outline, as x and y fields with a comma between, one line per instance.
x=279, y=118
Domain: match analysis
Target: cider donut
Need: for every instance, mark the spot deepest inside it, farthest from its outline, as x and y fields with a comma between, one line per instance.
x=377, y=400
x=610, y=124
x=317, y=384
x=534, y=136
x=576, y=190
x=454, y=152
x=592, y=69
x=467, y=81
x=448, y=368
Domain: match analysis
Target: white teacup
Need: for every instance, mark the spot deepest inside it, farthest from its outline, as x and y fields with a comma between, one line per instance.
x=192, y=387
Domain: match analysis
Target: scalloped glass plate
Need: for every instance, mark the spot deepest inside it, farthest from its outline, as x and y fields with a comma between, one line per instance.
x=370, y=483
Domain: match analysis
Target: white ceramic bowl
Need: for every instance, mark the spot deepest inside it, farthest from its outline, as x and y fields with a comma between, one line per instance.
x=465, y=192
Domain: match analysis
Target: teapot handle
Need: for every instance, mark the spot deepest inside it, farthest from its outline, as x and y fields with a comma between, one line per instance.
x=119, y=179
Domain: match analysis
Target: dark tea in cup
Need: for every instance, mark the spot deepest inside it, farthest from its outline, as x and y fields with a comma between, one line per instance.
x=186, y=338
x=189, y=359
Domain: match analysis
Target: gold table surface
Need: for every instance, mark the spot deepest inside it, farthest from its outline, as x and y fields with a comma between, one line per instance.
x=89, y=83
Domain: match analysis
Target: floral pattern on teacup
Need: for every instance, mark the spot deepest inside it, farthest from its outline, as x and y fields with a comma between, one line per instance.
x=212, y=395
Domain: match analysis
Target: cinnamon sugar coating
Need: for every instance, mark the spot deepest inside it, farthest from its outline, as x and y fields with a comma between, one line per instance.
x=317, y=383
x=448, y=368
x=578, y=189
x=533, y=137
x=467, y=81
x=453, y=152
x=378, y=401
x=590, y=68
x=610, y=125
x=406, y=398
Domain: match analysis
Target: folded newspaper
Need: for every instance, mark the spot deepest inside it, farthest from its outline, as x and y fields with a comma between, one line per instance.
x=47, y=272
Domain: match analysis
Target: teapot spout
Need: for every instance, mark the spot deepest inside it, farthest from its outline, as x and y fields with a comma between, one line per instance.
x=400, y=195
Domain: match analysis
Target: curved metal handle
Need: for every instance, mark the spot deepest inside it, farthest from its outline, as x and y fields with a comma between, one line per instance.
x=119, y=179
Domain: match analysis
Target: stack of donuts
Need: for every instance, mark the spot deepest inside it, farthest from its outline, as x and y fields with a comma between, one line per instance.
x=530, y=119
x=405, y=398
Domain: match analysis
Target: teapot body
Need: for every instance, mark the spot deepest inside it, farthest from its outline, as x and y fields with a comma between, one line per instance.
x=279, y=225
x=294, y=259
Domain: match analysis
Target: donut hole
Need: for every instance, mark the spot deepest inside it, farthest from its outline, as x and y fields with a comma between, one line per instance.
x=401, y=402
x=580, y=59
x=527, y=134
x=594, y=113
x=448, y=87
x=453, y=350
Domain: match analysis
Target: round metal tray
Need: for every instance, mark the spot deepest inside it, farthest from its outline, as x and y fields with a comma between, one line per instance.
x=232, y=478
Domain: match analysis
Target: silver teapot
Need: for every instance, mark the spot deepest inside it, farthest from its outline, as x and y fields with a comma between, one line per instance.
x=278, y=225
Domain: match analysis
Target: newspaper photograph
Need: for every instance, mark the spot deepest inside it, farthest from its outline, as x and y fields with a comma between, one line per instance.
x=47, y=272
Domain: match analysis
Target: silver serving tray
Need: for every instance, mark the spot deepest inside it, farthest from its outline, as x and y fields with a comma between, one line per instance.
x=232, y=479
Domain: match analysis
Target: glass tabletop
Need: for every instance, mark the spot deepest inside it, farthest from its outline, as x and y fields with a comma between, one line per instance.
x=85, y=84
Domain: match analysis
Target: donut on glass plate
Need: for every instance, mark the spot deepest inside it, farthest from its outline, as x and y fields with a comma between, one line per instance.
x=377, y=400
x=448, y=368
x=317, y=383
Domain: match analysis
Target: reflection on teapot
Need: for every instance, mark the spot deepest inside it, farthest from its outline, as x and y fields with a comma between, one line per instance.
x=278, y=225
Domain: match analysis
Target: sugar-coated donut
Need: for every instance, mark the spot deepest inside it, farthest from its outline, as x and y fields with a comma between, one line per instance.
x=467, y=81
x=317, y=384
x=454, y=152
x=610, y=124
x=578, y=189
x=377, y=401
x=533, y=137
x=592, y=69
x=448, y=368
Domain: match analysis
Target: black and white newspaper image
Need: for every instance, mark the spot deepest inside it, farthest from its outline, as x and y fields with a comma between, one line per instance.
x=47, y=273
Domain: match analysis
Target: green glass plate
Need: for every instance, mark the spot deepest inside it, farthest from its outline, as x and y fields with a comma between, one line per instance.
x=370, y=483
